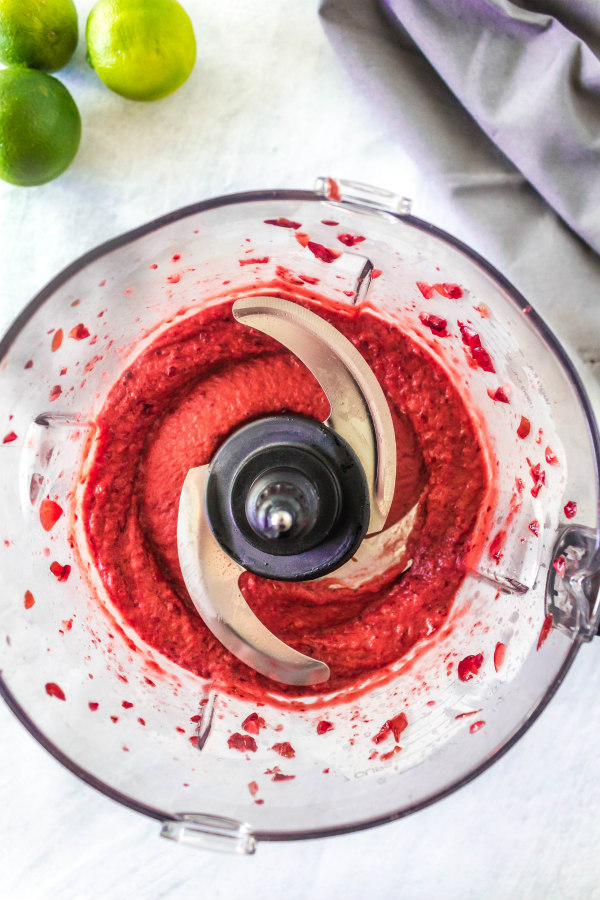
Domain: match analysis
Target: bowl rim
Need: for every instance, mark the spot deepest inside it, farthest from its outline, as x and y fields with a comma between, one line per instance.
x=303, y=195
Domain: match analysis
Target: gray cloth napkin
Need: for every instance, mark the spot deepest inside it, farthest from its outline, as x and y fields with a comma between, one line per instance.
x=527, y=150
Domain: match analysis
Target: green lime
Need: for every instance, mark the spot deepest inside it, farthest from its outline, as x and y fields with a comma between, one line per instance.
x=142, y=50
x=40, y=127
x=41, y=34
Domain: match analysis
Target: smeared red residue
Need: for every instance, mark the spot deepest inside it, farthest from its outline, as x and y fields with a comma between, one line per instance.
x=560, y=564
x=253, y=786
x=331, y=222
x=79, y=332
x=50, y=513
x=93, y=706
x=67, y=624
x=472, y=340
x=376, y=273
x=126, y=704
x=450, y=291
x=534, y=527
x=141, y=721
x=349, y=293
x=325, y=254
x=29, y=601
x=496, y=545
x=252, y=723
x=499, y=395
x=149, y=682
x=195, y=718
x=282, y=222
x=538, y=476
x=61, y=572
x=570, y=509
x=469, y=666
x=551, y=457
x=350, y=239
x=284, y=749
x=125, y=749
x=180, y=729
x=436, y=324
x=545, y=631
x=499, y=654
x=176, y=277
x=426, y=289
x=333, y=190
x=9, y=438
x=114, y=718
x=323, y=727
x=524, y=427
x=309, y=279
x=279, y=776
x=476, y=726
x=241, y=742
x=302, y=238
x=464, y=715
x=28, y=364
x=254, y=260
x=57, y=339
x=482, y=310
x=385, y=756
x=393, y=726
x=53, y=690
x=55, y=392
x=193, y=740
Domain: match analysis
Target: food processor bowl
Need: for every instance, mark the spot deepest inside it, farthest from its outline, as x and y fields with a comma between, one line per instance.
x=152, y=735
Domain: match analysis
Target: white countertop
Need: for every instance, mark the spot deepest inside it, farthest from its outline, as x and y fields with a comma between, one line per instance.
x=271, y=104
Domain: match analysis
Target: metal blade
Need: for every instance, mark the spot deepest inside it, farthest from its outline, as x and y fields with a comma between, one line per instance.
x=211, y=578
x=359, y=410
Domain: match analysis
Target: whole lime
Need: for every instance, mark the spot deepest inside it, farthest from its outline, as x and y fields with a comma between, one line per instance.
x=40, y=127
x=41, y=34
x=142, y=50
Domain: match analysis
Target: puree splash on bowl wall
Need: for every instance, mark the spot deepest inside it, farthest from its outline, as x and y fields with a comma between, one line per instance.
x=385, y=474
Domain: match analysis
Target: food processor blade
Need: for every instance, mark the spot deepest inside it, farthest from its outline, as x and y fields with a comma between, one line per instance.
x=359, y=415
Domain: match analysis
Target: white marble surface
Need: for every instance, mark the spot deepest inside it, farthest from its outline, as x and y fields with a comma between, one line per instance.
x=272, y=104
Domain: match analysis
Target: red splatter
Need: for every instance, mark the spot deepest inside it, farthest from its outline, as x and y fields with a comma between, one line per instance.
x=393, y=726
x=538, y=477
x=476, y=726
x=79, y=332
x=9, y=438
x=449, y=291
x=53, y=690
x=323, y=727
x=308, y=279
x=55, y=392
x=302, y=238
x=114, y=719
x=29, y=601
x=255, y=260
x=176, y=277
x=176, y=257
x=253, y=786
x=350, y=239
x=93, y=706
x=534, y=527
x=148, y=681
x=376, y=273
x=348, y=293
x=496, y=545
x=329, y=222
x=252, y=723
x=67, y=624
x=560, y=564
x=282, y=222
x=154, y=266
x=56, y=340
x=436, y=324
x=545, y=631
x=482, y=310
x=180, y=729
x=540, y=433
x=61, y=572
x=469, y=666
x=385, y=756
x=325, y=254
x=28, y=364
x=464, y=715
x=499, y=654
x=279, y=776
x=50, y=513
x=284, y=749
x=241, y=742
x=551, y=457
x=499, y=395
x=126, y=704
x=472, y=340
x=570, y=509
x=426, y=289
x=193, y=740
x=524, y=427
x=141, y=721
x=125, y=749
x=333, y=190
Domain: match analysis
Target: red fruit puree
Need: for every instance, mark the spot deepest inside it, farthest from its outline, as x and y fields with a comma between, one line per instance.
x=174, y=406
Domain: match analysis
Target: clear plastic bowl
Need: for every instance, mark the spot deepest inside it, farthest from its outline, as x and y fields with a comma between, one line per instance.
x=122, y=293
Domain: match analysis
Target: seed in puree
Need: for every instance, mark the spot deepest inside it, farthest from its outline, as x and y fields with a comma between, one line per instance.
x=172, y=408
